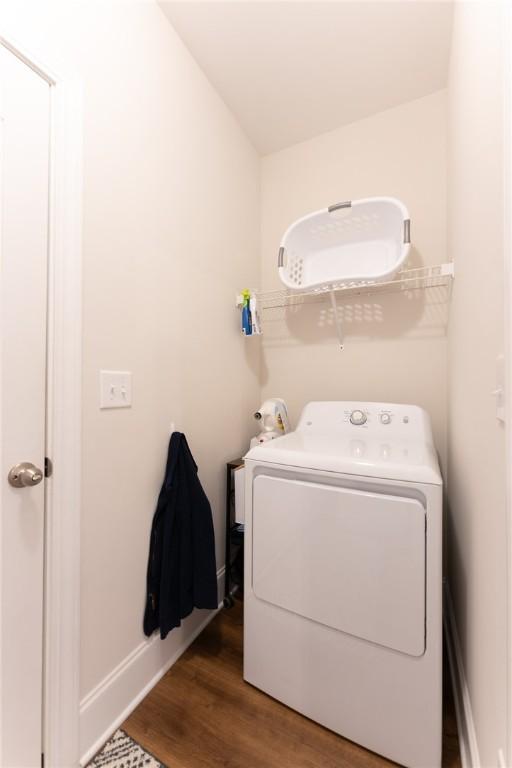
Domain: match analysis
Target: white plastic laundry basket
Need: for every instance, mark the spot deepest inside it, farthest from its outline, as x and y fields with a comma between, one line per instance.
x=359, y=241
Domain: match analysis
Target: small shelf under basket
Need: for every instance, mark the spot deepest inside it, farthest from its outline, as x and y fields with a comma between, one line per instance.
x=406, y=280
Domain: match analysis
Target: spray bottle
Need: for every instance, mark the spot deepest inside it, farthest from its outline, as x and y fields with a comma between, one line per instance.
x=246, y=313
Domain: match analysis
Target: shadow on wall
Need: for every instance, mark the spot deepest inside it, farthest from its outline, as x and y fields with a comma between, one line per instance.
x=457, y=575
x=252, y=351
x=408, y=314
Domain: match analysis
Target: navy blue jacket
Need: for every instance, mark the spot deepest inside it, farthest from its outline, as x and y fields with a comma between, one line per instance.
x=181, y=567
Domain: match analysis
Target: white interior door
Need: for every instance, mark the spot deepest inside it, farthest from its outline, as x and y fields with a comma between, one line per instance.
x=24, y=177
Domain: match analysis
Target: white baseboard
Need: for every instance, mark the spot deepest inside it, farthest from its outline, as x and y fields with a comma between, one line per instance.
x=469, y=754
x=104, y=708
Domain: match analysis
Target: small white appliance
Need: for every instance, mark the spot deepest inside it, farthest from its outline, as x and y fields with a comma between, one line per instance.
x=343, y=575
x=272, y=416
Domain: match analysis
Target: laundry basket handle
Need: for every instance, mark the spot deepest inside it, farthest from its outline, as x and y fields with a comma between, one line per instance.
x=337, y=206
x=280, y=257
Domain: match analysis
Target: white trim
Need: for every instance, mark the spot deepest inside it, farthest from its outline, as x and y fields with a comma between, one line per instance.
x=468, y=744
x=506, y=750
x=62, y=630
x=28, y=58
x=62, y=633
x=109, y=703
x=105, y=708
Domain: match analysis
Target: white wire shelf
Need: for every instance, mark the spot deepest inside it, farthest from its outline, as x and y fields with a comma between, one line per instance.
x=415, y=279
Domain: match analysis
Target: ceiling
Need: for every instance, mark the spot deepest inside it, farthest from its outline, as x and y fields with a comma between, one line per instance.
x=291, y=70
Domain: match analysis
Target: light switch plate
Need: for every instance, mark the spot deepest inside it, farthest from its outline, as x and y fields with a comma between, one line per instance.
x=115, y=389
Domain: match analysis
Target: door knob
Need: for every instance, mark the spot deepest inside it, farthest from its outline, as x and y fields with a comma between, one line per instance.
x=24, y=474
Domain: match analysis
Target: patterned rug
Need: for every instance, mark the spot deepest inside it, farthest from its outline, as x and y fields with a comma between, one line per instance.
x=121, y=751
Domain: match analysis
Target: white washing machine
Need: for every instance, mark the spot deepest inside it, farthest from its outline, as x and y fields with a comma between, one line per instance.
x=343, y=575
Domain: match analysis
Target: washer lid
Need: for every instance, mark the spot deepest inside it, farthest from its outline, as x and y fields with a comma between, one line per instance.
x=400, y=448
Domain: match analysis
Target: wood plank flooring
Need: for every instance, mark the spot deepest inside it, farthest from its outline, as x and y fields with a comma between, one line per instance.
x=202, y=715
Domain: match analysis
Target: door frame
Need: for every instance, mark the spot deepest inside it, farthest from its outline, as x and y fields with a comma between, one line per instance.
x=505, y=753
x=61, y=703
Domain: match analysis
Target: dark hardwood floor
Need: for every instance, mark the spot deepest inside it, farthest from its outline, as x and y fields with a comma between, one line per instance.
x=202, y=715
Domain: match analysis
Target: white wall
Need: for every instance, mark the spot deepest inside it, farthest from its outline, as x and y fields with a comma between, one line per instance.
x=170, y=234
x=395, y=344
x=476, y=456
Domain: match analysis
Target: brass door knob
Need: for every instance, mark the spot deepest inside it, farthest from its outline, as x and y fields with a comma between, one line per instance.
x=24, y=475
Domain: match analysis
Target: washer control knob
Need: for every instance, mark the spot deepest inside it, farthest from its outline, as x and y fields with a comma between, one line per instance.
x=358, y=418
x=385, y=418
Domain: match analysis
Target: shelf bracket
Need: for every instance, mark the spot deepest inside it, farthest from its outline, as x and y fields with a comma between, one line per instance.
x=337, y=321
x=448, y=269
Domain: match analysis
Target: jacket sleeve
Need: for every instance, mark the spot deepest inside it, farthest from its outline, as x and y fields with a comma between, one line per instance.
x=204, y=569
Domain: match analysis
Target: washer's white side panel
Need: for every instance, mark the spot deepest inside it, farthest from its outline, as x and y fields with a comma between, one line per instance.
x=352, y=560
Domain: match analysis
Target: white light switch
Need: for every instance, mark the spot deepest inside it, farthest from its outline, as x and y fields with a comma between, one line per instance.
x=115, y=389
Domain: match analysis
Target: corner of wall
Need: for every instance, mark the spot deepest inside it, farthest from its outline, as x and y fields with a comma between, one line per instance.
x=108, y=705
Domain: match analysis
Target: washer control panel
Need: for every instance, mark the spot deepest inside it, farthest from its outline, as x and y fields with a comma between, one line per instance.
x=394, y=420
x=367, y=417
